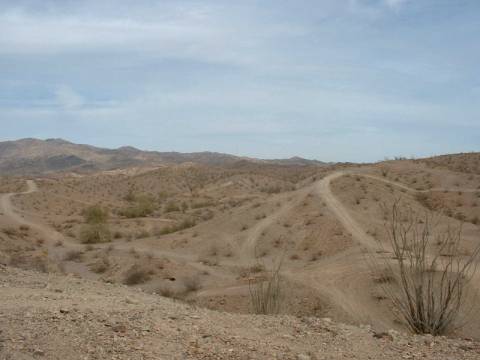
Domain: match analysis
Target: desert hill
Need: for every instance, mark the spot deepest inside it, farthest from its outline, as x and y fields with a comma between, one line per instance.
x=192, y=239
x=34, y=156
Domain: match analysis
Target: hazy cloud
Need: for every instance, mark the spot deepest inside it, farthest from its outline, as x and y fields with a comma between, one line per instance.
x=67, y=98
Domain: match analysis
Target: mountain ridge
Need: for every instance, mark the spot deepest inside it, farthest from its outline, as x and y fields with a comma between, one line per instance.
x=29, y=156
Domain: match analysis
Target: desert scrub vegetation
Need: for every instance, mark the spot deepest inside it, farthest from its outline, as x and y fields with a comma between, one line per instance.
x=141, y=205
x=95, y=229
x=266, y=295
x=95, y=233
x=136, y=274
x=192, y=284
x=184, y=224
x=95, y=215
x=171, y=206
x=428, y=280
x=73, y=255
x=100, y=266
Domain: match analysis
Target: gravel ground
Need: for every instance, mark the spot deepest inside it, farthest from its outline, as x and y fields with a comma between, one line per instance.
x=64, y=317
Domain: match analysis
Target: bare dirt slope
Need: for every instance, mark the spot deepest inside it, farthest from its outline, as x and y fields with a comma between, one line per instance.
x=58, y=317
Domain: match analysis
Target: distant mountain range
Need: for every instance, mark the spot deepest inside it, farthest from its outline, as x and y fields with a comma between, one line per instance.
x=34, y=156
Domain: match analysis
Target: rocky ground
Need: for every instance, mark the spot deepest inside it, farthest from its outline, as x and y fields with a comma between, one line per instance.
x=65, y=317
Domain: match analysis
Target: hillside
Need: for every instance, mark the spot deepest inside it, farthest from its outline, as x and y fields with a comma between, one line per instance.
x=58, y=317
x=33, y=156
x=192, y=239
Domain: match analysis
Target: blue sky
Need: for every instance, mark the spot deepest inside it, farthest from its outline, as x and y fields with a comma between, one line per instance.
x=335, y=80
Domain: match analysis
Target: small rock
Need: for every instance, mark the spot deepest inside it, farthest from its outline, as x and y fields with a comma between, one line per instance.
x=39, y=352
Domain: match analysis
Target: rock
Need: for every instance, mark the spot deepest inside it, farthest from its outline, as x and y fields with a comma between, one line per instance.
x=38, y=352
x=383, y=335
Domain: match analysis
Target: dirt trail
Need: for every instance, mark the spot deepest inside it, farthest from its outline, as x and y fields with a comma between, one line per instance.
x=247, y=251
x=323, y=189
x=9, y=211
x=405, y=187
x=342, y=277
x=51, y=236
x=358, y=234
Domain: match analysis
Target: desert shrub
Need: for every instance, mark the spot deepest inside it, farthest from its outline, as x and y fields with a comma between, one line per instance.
x=130, y=196
x=192, y=283
x=100, y=266
x=10, y=231
x=171, y=206
x=384, y=170
x=95, y=233
x=428, y=291
x=73, y=255
x=143, y=205
x=38, y=262
x=184, y=224
x=136, y=275
x=95, y=215
x=265, y=295
x=271, y=189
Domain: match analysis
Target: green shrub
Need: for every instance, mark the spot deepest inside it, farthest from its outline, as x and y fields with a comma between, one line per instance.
x=95, y=233
x=95, y=215
x=144, y=205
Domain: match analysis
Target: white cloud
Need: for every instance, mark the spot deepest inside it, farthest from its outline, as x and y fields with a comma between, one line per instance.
x=203, y=34
x=67, y=98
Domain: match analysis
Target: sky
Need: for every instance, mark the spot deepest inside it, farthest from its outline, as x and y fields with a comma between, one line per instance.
x=333, y=80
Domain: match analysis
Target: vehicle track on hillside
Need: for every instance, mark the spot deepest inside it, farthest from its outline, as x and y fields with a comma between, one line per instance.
x=341, y=277
x=51, y=236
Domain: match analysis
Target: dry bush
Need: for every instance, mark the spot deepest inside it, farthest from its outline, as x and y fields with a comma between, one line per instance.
x=73, y=255
x=10, y=231
x=37, y=262
x=143, y=205
x=100, y=266
x=192, y=284
x=136, y=275
x=266, y=295
x=428, y=290
x=171, y=206
x=95, y=215
x=95, y=233
x=384, y=170
x=184, y=224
